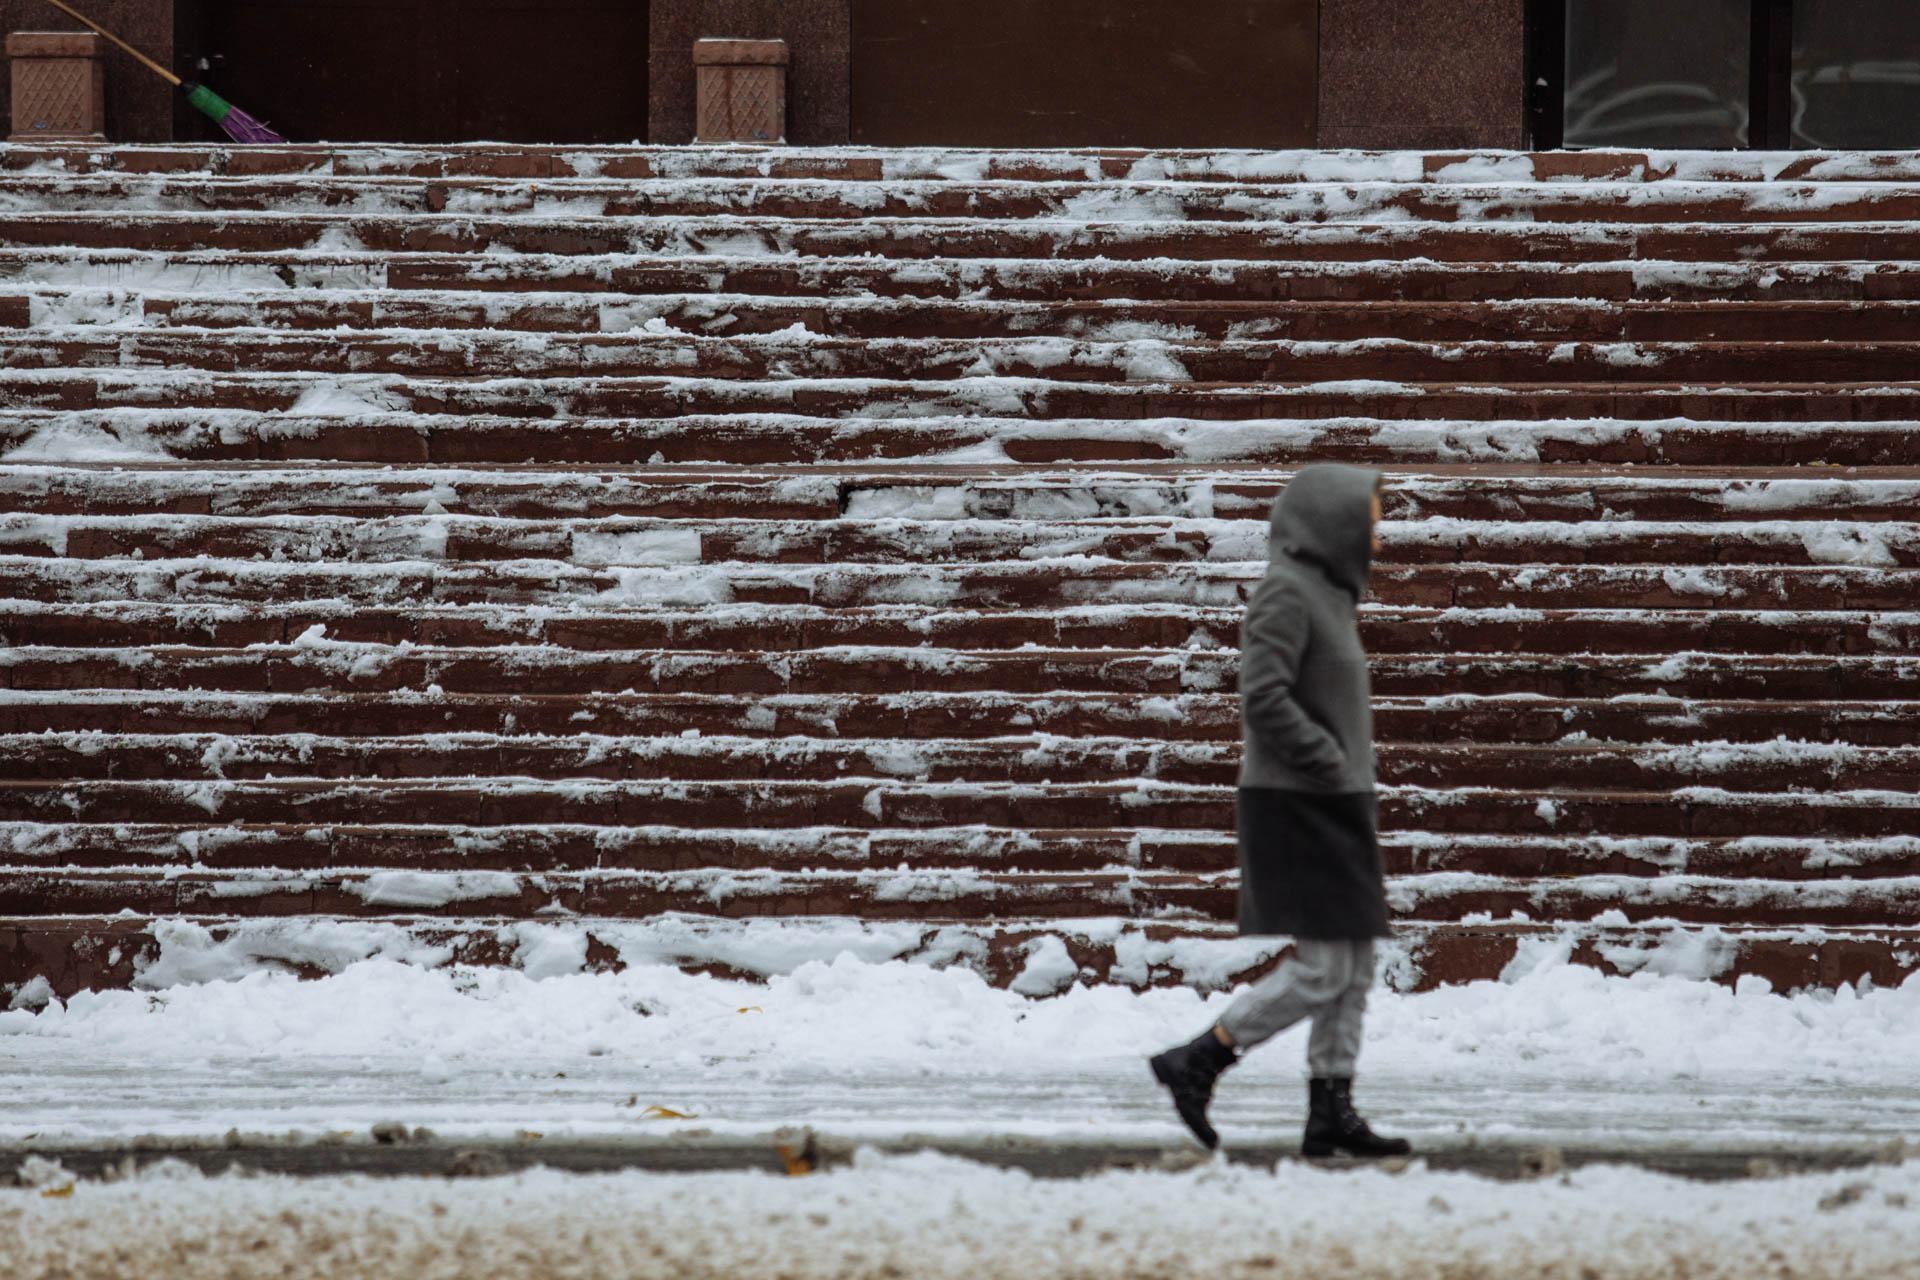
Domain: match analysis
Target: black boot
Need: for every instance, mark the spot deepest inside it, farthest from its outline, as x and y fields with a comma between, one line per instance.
x=1335, y=1128
x=1189, y=1071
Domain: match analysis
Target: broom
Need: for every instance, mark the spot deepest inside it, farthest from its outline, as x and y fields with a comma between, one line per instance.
x=239, y=126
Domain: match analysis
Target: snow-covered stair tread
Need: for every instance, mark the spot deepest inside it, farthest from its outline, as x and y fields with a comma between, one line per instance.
x=445, y=541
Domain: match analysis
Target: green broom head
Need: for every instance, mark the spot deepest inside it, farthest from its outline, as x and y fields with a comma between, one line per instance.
x=239, y=126
x=208, y=103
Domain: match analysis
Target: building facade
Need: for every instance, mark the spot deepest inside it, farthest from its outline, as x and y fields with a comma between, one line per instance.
x=1433, y=74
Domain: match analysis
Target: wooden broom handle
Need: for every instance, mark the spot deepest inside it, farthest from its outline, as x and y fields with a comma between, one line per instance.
x=150, y=64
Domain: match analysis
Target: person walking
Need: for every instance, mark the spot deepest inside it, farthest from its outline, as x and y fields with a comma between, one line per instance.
x=1310, y=863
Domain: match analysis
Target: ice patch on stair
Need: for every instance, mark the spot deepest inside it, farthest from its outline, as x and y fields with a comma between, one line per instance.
x=93, y=308
x=1865, y=544
x=346, y=398
x=77, y=440
x=427, y=889
x=640, y=547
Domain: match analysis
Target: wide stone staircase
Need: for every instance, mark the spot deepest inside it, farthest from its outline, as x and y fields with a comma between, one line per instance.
x=736, y=556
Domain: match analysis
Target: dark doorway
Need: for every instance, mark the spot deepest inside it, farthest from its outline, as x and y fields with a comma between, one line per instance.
x=1768, y=74
x=434, y=70
x=1056, y=73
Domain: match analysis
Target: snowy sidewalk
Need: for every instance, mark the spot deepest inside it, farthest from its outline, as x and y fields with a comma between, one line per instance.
x=929, y=1218
x=885, y=1052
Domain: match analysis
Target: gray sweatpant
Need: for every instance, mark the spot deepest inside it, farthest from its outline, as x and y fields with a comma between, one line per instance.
x=1323, y=980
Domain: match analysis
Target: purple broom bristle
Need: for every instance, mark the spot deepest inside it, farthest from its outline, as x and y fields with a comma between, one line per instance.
x=242, y=127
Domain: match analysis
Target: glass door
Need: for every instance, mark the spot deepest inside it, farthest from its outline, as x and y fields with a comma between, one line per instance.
x=1766, y=74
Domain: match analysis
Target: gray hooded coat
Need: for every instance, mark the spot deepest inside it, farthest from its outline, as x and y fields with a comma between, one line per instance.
x=1309, y=851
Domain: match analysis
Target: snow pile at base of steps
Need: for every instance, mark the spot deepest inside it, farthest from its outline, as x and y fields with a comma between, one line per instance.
x=1546, y=1018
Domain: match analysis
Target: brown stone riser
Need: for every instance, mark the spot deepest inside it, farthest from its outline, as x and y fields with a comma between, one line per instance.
x=441, y=432
x=1052, y=282
x=454, y=540
x=837, y=197
x=1056, y=370
x=668, y=233
x=1496, y=496
x=292, y=848
x=930, y=319
x=871, y=804
x=980, y=899
x=1010, y=585
x=1790, y=678
x=854, y=717
x=100, y=758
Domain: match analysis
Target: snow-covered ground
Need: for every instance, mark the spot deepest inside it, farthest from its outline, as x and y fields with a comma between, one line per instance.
x=928, y=1216
x=862, y=1048
x=875, y=1050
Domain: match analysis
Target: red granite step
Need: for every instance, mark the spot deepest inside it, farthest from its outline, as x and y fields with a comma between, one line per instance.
x=1037, y=584
x=1574, y=675
x=574, y=847
x=982, y=897
x=623, y=420
x=1769, y=766
x=887, y=540
x=121, y=624
x=1695, y=812
x=1106, y=198
x=869, y=318
x=1045, y=280
x=491, y=355
x=629, y=895
x=1484, y=492
x=1176, y=717
x=788, y=439
x=1747, y=238
x=1387, y=630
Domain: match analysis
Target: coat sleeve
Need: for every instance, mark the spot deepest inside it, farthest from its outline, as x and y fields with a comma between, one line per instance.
x=1274, y=638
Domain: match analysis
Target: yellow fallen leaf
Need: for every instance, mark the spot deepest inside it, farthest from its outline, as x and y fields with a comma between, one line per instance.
x=58, y=1193
x=666, y=1113
x=750, y=1008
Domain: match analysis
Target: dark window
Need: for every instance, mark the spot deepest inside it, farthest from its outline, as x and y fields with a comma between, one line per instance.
x=1657, y=73
x=1768, y=74
x=1856, y=74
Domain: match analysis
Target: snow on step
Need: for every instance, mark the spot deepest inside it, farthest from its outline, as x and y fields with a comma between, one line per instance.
x=424, y=312
x=868, y=533
x=390, y=278
x=1445, y=718
x=359, y=418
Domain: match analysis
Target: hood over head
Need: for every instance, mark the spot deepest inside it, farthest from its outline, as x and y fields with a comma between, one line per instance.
x=1326, y=516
